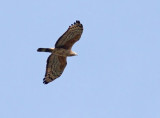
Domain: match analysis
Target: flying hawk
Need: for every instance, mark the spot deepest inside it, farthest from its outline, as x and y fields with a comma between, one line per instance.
x=56, y=62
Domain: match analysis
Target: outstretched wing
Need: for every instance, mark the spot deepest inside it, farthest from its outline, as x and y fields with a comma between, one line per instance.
x=71, y=36
x=55, y=67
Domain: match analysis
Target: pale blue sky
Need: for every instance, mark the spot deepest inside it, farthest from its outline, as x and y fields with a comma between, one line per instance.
x=115, y=75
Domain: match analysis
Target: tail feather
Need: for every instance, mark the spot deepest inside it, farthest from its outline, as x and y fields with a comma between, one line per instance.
x=45, y=49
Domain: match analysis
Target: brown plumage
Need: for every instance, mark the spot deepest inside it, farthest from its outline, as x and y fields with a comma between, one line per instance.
x=56, y=62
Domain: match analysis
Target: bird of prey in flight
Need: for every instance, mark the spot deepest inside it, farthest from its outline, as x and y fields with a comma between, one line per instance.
x=57, y=62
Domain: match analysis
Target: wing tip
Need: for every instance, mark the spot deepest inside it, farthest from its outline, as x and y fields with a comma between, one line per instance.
x=44, y=82
x=47, y=80
x=77, y=21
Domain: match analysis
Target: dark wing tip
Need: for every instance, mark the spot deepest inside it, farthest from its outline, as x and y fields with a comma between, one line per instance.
x=48, y=80
x=44, y=82
x=77, y=21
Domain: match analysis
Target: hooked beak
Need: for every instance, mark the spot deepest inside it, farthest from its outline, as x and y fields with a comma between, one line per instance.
x=76, y=54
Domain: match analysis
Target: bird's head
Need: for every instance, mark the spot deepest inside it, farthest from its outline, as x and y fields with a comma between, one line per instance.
x=73, y=53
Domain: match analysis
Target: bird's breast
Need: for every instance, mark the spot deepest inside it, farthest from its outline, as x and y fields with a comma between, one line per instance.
x=61, y=52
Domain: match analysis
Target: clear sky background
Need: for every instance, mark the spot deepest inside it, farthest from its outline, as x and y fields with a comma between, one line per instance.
x=115, y=75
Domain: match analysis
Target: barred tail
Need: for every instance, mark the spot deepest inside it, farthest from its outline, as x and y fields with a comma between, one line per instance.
x=45, y=49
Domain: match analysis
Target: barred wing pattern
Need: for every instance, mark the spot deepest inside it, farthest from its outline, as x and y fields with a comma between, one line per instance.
x=56, y=64
x=55, y=67
x=71, y=36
